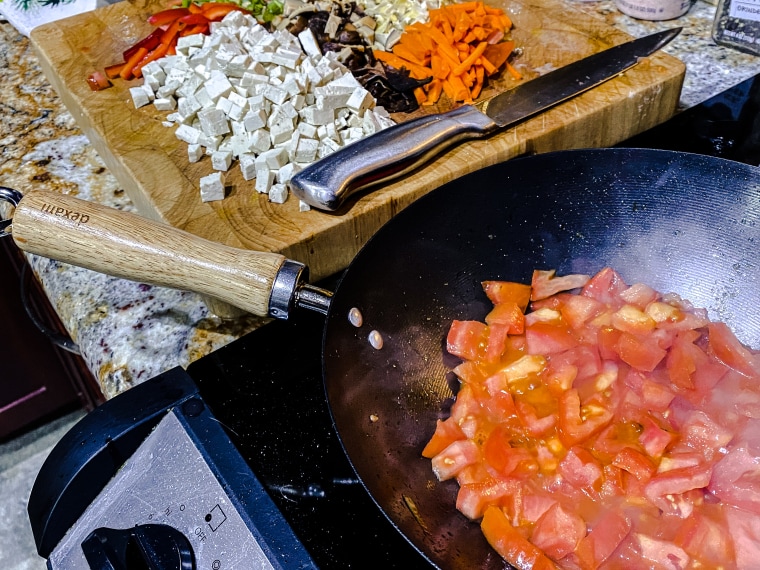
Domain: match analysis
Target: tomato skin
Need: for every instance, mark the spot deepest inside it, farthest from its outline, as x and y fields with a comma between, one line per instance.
x=510, y=544
x=544, y=283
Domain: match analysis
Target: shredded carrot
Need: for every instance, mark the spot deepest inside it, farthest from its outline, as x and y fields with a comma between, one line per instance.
x=453, y=49
x=516, y=74
x=127, y=70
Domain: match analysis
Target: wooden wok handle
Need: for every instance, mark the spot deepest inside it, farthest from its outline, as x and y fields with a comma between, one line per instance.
x=132, y=247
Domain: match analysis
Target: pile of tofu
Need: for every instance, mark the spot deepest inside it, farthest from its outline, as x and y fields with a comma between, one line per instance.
x=269, y=101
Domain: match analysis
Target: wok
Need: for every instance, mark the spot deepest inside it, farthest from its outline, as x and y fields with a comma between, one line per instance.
x=678, y=222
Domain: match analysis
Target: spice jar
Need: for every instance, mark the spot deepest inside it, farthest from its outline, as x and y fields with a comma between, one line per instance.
x=654, y=9
x=737, y=25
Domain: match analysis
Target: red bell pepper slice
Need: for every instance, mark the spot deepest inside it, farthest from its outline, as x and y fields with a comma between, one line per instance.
x=165, y=17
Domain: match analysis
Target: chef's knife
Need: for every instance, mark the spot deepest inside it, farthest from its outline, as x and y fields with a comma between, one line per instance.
x=394, y=151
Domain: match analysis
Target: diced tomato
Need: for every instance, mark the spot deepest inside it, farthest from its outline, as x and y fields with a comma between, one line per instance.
x=639, y=294
x=97, y=81
x=534, y=506
x=663, y=488
x=510, y=544
x=602, y=540
x=446, y=432
x=468, y=371
x=635, y=463
x=631, y=319
x=574, y=428
x=578, y=310
x=736, y=480
x=499, y=407
x=639, y=352
x=558, y=532
x=606, y=287
x=663, y=553
x=654, y=439
x=536, y=426
x=581, y=469
x=705, y=537
x=704, y=434
x=607, y=339
x=548, y=338
x=506, y=291
x=506, y=459
x=655, y=396
x=467, y=339
x=745, y=533
x=683, y=358
x=454, y=458
x=728, y=349
x=496, y=342
x=509, y=314
x=474, y=498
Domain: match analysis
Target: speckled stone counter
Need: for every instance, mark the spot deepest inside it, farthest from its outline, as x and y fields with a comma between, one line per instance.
x=129, y=332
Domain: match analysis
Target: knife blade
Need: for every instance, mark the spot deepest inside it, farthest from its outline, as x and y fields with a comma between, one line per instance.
x=392, y=152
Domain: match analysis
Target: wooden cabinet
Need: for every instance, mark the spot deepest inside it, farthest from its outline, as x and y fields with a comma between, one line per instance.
x=38, y=380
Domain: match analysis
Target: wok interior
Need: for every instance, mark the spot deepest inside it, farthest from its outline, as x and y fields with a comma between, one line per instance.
x=678, y=222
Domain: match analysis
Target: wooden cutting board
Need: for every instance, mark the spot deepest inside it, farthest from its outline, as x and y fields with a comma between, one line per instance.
x=152, y=164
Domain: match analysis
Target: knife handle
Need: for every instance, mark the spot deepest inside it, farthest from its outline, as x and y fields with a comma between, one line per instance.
x=387, y=154
x=132, y=247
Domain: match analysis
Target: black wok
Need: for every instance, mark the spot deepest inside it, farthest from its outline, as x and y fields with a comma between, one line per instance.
x=678, y=222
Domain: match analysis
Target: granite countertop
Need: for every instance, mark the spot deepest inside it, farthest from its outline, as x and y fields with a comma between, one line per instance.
x=129, y=332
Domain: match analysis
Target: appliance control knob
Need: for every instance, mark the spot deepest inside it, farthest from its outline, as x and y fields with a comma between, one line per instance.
x=143, y=547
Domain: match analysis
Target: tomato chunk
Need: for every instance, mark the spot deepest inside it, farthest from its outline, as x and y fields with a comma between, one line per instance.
x=510, y=544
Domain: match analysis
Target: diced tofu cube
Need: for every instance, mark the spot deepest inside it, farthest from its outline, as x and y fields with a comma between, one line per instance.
x=140, y=97
x=264, y=180
x=213, y=122
x=194, y=152
x=248, y=166
x=278, y=193
x=212, y=187
x=221, y=160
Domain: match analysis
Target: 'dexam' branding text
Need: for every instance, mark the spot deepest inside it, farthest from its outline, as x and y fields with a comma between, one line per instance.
x=64, y=213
